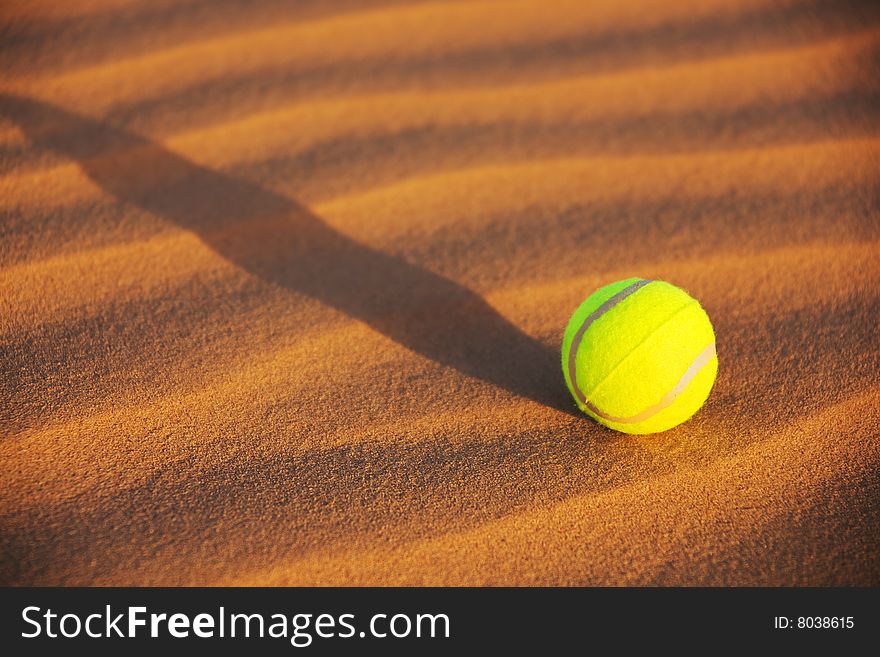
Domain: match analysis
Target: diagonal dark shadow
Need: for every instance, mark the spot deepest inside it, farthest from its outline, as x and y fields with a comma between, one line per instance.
x=282, y=242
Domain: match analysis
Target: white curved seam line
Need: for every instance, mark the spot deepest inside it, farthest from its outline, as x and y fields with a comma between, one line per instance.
x=592, y=317
x=698, y=364
x=631, y=354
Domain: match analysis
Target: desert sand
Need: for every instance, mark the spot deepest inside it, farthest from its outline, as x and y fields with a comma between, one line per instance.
x=282, y=290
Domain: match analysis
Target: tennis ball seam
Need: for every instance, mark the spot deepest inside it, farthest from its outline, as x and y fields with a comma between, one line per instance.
x=606, y=306
x=652, y=334
x=668, y=399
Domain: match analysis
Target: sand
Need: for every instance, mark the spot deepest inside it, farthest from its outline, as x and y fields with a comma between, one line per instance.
x=282, y=290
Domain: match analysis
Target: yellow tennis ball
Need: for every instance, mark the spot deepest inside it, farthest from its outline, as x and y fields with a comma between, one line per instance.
x=639, y=356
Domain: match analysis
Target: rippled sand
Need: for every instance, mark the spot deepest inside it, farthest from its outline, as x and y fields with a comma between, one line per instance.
x=282, y=289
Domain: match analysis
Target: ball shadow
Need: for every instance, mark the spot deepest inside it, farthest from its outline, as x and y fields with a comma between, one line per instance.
x=284, y=243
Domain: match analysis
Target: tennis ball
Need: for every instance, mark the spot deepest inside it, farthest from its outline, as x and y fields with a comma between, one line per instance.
x=639, y=356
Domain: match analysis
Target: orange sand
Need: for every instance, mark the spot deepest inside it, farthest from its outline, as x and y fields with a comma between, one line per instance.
x=282, y=290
